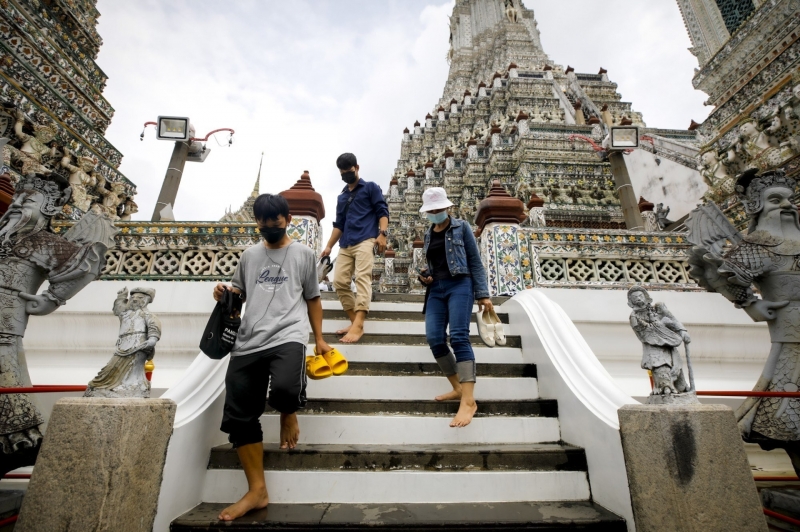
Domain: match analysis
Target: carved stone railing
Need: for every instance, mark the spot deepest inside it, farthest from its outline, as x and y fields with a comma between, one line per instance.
x=518, y=258
x=188, y=251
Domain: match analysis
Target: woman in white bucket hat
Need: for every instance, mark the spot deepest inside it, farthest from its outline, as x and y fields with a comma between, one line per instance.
x=455, y=278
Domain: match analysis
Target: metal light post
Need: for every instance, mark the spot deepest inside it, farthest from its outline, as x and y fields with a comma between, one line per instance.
x=187, y=148
x=620, y=140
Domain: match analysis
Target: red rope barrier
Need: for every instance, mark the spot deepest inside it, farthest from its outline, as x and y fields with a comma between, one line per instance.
x=752, y=394
x=9, y=520
x=17, y=476
x=50, y=388
x=781, y=517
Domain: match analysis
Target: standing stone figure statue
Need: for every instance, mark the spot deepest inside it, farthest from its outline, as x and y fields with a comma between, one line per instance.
x=30, y=253
x=661, y=334
x=767, y=258
x=139, y=331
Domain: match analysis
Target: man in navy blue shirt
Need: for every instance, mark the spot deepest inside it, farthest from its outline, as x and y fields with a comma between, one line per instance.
x=362, y=219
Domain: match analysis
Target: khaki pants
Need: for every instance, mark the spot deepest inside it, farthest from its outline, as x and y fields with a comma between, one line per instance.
x=354, y=260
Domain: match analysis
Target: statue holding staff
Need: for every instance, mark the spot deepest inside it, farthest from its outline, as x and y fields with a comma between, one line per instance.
x=139, y=331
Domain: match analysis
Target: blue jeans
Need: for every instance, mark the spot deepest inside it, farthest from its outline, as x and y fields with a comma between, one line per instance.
x=450, y=302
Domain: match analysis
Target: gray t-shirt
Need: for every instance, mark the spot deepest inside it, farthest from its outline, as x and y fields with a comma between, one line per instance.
x=276, y=284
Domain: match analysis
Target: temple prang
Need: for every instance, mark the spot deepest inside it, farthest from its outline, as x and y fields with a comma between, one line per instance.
x=511, y=117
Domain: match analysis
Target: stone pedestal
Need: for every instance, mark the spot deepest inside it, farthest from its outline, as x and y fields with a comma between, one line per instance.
x=100, y=466
x=687, y=470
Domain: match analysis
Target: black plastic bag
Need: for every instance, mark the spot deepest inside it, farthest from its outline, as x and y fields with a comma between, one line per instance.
x=222, y=326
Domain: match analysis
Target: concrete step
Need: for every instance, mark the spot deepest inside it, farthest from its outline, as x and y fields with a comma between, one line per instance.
x=494, y=517
x=391, y=315
x=439, y=458
x=402, y=487
x=422, y=353
x=401, y=298
x=431, y=369
x=345, y=429
x=534, y=408
x=402, y=327
x=398, y=338
x=417, y=387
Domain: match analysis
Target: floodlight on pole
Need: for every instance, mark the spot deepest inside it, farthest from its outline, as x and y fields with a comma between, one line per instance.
x=180, y=130
x=173, y=128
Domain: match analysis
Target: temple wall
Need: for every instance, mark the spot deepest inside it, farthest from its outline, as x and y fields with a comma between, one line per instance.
x=72, y=344
x=676, y=186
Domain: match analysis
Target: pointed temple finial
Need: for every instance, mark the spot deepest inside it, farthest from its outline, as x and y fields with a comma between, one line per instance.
x=257, y=187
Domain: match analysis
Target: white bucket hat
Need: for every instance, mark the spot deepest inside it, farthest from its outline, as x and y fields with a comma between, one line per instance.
x=435, y=198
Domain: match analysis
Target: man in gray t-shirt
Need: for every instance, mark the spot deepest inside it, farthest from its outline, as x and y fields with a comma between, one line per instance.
x=278, y=280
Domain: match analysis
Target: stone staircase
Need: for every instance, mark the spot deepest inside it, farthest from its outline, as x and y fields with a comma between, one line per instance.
x=376, y=450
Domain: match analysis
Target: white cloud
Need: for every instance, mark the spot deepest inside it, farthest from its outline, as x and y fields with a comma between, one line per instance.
x=307, y=80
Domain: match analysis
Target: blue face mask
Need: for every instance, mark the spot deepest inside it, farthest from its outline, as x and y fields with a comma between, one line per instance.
x=437, y=218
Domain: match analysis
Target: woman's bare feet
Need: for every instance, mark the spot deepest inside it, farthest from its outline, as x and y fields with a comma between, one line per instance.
x=252, y=500
x=346, y=330
x=465, y=413
x=290, y=431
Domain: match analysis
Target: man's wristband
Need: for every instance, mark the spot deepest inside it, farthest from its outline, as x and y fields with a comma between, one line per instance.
x=383, y=233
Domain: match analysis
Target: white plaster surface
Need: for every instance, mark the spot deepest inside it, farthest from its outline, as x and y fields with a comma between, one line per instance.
x=403, y=486
x=588, y=398
x=398, y=430
x=676, y=186
x=420, y=388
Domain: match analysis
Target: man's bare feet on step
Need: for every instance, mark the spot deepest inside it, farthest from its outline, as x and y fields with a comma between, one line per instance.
x=252, y=500
x=346, y=330
x=290, y=431
x=455, y=395
x=464, y=415
x=353, y=335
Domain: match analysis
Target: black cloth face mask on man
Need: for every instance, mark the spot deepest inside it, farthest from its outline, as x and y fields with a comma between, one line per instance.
x=349, y=177
x=273, y=235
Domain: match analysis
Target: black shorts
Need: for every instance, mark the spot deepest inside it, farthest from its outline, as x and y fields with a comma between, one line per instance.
x=282, y=370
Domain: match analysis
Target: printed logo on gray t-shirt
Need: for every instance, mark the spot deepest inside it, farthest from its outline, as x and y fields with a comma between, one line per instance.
x=276, y=284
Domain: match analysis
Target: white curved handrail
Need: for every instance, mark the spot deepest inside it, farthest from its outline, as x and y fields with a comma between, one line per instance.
x=588, y=398
x=574, y=360
x=199, y=395
x=199, y=386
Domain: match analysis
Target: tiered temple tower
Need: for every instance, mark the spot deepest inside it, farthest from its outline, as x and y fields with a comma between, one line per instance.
x=52, y=109
x=509, y=113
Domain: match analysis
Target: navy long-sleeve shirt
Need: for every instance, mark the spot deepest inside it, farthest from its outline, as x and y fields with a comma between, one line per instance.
x=368, y=206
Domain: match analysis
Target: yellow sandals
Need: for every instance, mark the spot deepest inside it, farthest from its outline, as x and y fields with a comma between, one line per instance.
x=323, y=366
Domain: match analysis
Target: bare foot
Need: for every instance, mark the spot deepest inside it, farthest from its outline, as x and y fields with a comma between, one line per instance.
x=464, y=415
x=449, y=396
x=252, y=500
x=354, y=335
x=346, y=330
x=290, y=431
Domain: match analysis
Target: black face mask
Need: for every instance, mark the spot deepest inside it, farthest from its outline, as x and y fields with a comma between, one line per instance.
x=273, y=235
x=349, y=177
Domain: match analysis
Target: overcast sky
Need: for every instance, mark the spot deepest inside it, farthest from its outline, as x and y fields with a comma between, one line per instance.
x=305, y=80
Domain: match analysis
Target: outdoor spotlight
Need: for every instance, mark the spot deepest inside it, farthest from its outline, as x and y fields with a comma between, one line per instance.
x=175, y=128
x=623, y=138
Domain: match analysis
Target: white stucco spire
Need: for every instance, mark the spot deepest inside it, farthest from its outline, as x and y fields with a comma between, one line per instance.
x=486, y=36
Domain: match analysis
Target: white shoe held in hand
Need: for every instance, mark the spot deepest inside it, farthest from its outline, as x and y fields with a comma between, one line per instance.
x=499, y=333
x=485, y=328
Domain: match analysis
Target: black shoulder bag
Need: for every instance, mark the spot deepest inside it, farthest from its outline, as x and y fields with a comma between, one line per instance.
x=222, y=326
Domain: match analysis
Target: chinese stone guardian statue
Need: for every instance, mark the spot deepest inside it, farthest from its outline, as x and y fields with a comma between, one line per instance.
x=30, y=253
x=766, y=258
x=139, y=331
x=661, y=335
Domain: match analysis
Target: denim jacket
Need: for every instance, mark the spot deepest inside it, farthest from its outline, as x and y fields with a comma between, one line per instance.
x=462, y=254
